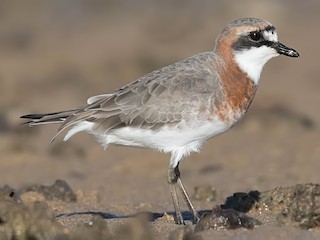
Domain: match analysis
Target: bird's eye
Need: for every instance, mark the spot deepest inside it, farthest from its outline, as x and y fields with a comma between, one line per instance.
x=255, y=36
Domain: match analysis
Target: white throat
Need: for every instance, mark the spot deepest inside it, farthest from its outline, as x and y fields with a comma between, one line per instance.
x=252, y=60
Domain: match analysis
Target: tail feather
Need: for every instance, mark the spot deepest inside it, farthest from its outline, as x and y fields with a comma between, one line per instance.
x=48, y=118
x=62, y=117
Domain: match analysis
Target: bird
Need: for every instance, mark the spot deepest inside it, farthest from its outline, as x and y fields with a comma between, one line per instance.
x=176, y=108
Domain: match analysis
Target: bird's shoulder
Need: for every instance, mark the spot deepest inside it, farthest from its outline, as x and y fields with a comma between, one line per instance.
x=195, y=74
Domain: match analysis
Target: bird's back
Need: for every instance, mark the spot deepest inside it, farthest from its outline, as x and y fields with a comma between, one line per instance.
x=182, y=92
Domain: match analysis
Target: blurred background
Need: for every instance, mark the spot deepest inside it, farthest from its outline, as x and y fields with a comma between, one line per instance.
x=56, y=54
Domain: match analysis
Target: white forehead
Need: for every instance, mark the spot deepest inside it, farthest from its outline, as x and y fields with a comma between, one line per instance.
x=270, y=35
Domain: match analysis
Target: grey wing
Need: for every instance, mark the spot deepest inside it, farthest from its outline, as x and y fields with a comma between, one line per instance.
x=167, y=96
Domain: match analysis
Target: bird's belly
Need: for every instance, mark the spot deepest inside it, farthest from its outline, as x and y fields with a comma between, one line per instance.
x=168, y=138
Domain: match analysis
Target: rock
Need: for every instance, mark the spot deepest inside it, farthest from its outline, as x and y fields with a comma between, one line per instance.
x=9, y=194
x=305, y=207
x=60, y=190
x=296, y=205
x=241, y=202
x=225, y=219
x=22, y=222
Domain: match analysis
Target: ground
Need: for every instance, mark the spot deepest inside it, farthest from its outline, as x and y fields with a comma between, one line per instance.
x=54, y=55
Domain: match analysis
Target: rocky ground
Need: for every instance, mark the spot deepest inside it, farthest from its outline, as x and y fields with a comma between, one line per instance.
x=41, y=212
x=258, y=181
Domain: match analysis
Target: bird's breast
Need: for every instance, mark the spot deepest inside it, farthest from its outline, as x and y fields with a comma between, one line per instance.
x=239, y=91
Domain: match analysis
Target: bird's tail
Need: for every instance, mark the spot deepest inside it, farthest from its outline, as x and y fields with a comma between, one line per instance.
x=48, y=118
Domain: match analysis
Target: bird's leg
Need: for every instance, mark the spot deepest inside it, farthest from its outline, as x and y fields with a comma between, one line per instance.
x=172, y=180
x=186, y=197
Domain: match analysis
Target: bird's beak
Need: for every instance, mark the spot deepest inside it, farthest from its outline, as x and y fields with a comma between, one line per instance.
x=282, y=49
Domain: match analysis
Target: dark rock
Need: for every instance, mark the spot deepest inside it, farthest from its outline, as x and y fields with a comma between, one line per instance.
x=60, y=190
x=241, y=202
x=225, y=219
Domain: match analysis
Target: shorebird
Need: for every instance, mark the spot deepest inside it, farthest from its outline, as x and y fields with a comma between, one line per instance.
x=177, y=108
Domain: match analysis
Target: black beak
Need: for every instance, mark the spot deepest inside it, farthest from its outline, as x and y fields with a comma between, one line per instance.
x=282, y=49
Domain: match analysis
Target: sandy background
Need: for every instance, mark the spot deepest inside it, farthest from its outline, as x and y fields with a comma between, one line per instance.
x=56, y=54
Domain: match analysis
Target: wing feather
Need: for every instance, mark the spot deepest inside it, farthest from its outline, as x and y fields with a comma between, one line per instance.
x=166, y=96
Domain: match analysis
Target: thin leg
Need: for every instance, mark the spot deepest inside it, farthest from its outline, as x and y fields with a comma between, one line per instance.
x=184, y=193
x=172, y=180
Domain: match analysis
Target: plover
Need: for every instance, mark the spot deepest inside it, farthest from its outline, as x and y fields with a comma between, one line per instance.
x=177, y=108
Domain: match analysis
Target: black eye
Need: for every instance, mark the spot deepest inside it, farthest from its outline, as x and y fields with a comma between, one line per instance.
x=255, y=36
